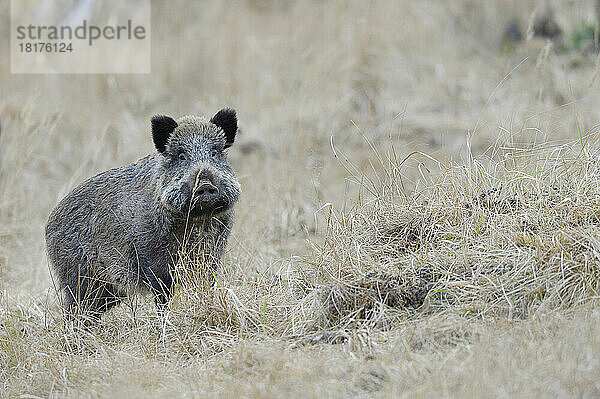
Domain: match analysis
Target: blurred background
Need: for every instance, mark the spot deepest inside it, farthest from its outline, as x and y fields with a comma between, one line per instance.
x=447, y=78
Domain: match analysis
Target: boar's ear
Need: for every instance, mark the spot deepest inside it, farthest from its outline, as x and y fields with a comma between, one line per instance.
x=162, y=127
x=226, y=120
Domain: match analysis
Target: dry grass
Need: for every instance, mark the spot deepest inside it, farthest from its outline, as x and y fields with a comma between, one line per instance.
x=420, y=212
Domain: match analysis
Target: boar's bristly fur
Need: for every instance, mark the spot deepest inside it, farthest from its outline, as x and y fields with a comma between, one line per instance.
x=120, y=231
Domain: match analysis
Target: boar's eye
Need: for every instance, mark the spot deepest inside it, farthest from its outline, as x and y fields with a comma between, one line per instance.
x=183, y=156
x=214, y=153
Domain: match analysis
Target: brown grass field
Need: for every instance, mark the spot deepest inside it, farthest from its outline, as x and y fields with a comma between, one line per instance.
x=420, y=211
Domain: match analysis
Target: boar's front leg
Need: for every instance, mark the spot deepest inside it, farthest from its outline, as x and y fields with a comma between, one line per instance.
x=212, y=245
x=160, y=280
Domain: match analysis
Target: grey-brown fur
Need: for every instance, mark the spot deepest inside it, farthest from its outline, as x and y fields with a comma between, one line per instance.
x=120, y=231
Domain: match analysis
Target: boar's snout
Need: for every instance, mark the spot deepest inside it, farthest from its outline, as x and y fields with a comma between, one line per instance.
x=206, y=192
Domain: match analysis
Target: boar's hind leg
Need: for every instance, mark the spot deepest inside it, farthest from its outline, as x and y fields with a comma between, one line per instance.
x=90, y=297
x=107, y=299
